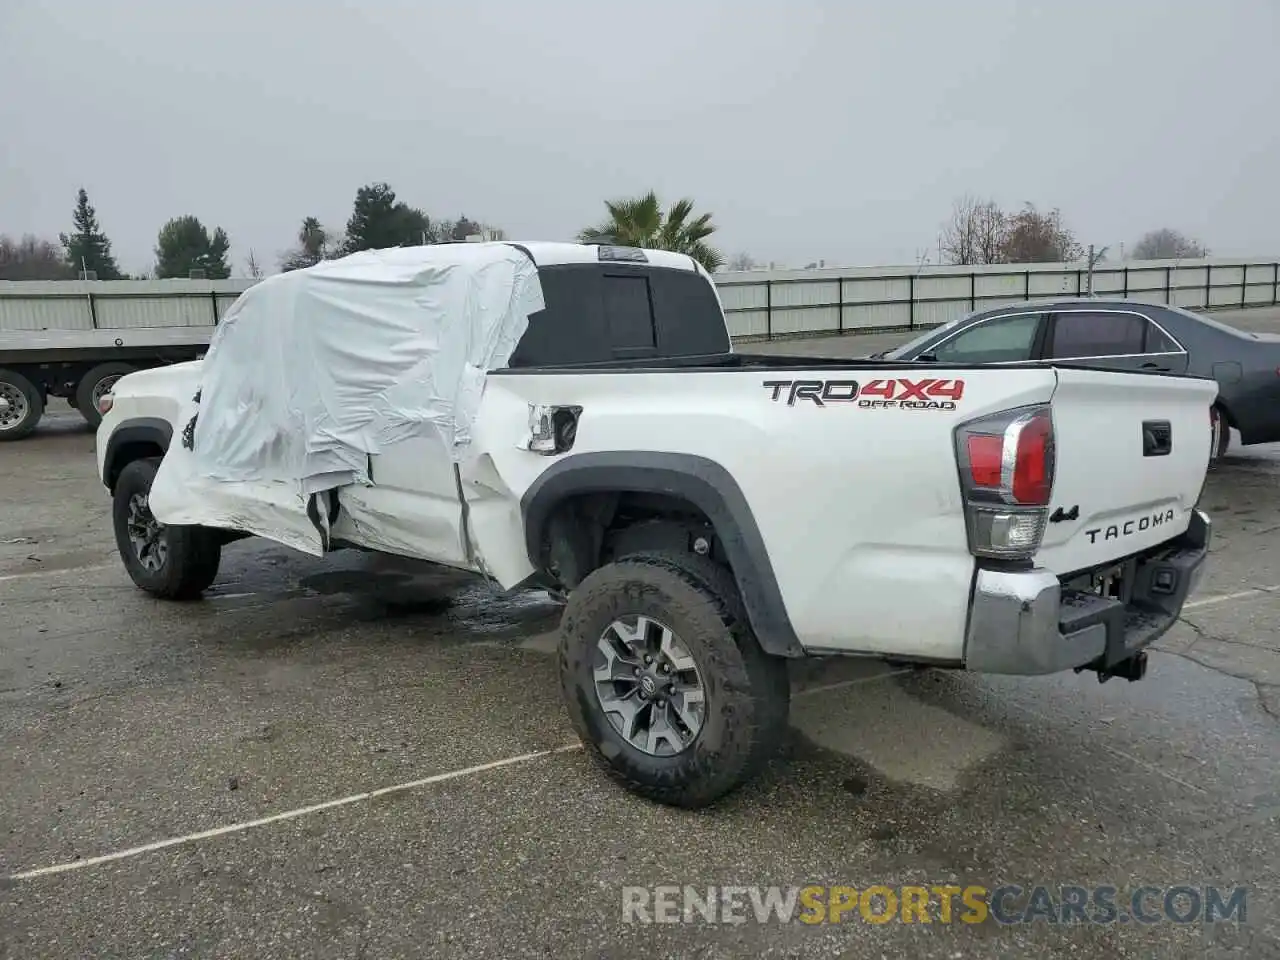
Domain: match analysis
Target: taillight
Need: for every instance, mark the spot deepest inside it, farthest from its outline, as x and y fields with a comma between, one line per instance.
x=986, y=459
x=104, y=403
x=1033, y=464
x=1006, y=477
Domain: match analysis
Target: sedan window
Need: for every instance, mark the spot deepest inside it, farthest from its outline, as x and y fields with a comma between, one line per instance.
x=1160, y=342
x=906, y=351
x=998, y=340
x=1081, y=334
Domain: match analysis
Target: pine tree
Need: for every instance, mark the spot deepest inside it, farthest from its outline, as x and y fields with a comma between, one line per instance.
x=88, y=247
x=219, y=267
x=378, y=221
x=184, y=245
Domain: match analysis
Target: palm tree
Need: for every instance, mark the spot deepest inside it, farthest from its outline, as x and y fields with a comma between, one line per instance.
x=640, y=222
x=313, y=246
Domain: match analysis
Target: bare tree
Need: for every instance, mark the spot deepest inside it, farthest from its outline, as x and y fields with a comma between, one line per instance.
x=31, y=258
x=1168, y=244
x=741, y=261
x=975, y=233
x=1035, y=237
x=251, y=264
x=992, y=232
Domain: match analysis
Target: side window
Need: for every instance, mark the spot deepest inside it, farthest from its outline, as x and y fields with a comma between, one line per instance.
x=688, y=314
x=598, y=313
x=1082, y=334
x=628, y=310
x=1001, y=340
x=1160, y=342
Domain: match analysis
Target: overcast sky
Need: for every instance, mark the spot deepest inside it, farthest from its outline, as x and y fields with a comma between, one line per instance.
x=840, y=131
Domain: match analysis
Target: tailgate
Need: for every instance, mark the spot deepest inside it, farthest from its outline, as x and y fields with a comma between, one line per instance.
x=1132, y=451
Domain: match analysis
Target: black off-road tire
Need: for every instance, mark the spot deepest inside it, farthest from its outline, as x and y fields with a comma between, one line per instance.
x=747, y=692
x=192, y=553
x=16, y=426
x=84, y=400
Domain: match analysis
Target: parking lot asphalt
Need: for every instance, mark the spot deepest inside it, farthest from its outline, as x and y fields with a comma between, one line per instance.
x=352, y=759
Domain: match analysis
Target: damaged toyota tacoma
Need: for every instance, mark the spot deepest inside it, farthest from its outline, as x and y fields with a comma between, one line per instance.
x=574, y=418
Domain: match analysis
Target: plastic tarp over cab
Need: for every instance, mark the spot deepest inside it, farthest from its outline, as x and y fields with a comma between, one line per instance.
x=312, y=372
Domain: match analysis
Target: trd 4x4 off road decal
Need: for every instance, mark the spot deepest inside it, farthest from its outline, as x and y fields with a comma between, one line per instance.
x=900, y=393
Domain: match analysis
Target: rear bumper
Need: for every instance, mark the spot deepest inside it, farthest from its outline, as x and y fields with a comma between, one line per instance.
x=1031, y=623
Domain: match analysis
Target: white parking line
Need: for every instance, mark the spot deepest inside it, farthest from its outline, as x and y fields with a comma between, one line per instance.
x=1227, y=597
x=60, y=571
x=453, y=774
x=357, y=798
x=288, y=814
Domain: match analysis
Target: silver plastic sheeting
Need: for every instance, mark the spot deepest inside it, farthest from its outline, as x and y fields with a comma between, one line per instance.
x=312, y=372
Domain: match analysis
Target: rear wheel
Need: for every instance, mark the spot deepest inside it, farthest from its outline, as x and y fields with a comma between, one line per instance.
x=21, y=406
x=170, y=562
x=665, y=682
x=1221, y=432
x=93, y=385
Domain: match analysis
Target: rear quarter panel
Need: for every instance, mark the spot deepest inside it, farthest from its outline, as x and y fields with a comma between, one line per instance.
x=858, y=506
x=1254, y=399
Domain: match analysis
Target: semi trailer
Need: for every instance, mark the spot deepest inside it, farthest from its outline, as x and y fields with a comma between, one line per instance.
x=74, y=339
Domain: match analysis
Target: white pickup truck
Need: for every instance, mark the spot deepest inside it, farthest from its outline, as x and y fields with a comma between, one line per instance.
x=573, y=418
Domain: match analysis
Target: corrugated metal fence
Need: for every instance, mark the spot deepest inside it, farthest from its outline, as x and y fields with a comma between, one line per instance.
x=758, y=304
x=777, y=304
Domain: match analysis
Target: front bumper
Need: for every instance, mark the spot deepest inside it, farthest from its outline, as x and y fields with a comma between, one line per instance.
x=1031, y=623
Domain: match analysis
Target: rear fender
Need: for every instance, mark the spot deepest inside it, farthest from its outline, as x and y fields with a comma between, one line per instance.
x=701, y=482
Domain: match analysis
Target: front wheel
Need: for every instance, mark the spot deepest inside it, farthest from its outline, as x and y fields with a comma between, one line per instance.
x=665, y=682
x=173, y=563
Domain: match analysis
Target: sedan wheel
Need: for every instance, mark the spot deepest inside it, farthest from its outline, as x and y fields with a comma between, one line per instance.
x=1220, y=432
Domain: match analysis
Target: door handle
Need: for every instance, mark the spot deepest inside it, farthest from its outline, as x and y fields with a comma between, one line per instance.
x=1157, y=438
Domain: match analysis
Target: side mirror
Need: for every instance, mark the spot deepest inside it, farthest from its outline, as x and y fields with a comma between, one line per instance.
x=926, y=358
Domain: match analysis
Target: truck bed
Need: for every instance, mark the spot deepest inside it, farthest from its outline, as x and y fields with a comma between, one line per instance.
x=765, y=361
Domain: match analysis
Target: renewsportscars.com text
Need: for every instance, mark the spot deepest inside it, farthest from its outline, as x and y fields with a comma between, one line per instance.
x=940, y=903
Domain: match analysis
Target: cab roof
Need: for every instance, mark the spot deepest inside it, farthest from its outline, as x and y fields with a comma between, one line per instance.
x=548, y=253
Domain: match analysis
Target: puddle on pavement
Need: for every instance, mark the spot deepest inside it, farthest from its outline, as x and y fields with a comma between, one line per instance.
x=373, y=587
x=485, y=610
x=469, y=605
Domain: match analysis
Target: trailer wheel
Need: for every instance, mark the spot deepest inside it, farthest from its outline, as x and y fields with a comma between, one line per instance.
x=21, y=405
x=93, y=385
